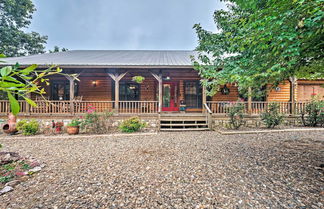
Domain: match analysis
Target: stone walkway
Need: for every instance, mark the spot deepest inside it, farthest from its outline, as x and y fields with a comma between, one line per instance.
x=172, y=170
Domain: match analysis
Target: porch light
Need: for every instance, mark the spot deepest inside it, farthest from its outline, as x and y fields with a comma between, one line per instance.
x=94, y=83
x=167, y=78
x=132, y=87
x=278, y=88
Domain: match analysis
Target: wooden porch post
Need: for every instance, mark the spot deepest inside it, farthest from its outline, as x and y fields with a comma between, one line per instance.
x=250, y=100
x=158, y=77
x=71, y=82
x=293, y=81
x=28, y=105
x=71, y=79
x=204, y=94
x=117, y=77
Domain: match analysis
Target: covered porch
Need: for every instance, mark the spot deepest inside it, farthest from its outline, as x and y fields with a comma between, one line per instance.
x=114, y=90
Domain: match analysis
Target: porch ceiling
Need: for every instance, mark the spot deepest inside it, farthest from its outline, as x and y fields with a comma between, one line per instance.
x=109, y=59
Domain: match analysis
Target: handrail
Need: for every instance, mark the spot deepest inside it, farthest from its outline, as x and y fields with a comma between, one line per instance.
x=208, y=109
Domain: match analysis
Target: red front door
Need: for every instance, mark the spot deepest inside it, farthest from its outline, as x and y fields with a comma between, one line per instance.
x=170, y=96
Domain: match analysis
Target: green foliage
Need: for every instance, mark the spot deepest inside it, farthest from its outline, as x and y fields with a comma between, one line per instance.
x=5, y=179
x=313, y=114
x=57, y=49
x=235, y=113
x=138, y=79
x=15, y=17
x=271, y=117
x=17, y=82
x=75, y=122
x=262, y=42
x=131, y=125
x=94, y=122
x=28, y=127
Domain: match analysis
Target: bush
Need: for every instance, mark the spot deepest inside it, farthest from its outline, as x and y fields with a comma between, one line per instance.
x=235, y=113
x=97, y=123
x=313, y=114
x=28, y=127
x=271, y=117
x=131, y=125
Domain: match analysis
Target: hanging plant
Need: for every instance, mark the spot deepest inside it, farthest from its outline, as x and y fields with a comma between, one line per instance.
x=138, y=79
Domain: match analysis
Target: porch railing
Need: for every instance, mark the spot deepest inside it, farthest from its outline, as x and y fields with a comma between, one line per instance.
x=257, y=107
x=138, y=107
x=79, y=107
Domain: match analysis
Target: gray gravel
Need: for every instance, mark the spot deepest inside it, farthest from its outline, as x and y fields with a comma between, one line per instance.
x=173, y=170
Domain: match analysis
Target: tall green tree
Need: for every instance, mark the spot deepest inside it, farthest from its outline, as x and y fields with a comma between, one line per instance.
x=262, y=41
x=15, y=17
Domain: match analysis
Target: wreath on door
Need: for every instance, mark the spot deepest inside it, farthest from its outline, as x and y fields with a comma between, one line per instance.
x=225, y=90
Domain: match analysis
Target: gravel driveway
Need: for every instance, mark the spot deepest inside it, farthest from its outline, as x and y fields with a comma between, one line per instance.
x=173, y=170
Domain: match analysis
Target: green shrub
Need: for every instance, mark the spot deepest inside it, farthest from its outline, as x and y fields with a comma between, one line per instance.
x=271, y=117
x=235, y=113
x=20, y=124
x=313, y=114
x=131, y=125
x=96, y=123
x=28, y=127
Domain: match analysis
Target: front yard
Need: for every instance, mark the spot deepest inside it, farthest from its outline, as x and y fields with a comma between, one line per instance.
x=172, y=170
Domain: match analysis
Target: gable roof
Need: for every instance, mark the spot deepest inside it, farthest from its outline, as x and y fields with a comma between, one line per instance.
x=109, y=58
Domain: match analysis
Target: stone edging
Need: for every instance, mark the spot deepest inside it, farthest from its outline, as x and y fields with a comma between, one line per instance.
x=269, y=131
x=78, y=136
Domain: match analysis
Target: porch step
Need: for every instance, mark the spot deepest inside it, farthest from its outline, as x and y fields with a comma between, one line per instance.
x=183, y=122
x=184, y=129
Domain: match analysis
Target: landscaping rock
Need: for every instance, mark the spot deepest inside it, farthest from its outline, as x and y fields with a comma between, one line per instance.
x=12, y=183
x=173, y=170
x=8, y=157
x=5, y=190
x=36, y=169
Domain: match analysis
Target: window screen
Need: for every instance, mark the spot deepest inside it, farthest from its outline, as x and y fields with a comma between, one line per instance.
x=193, y=94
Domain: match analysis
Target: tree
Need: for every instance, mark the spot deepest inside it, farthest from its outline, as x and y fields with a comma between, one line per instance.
x=57, y=49
x=15, y=81
x=15, y=17
x=262, y=42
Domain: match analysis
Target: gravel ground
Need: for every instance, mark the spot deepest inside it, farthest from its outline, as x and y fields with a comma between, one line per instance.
x=173, y=170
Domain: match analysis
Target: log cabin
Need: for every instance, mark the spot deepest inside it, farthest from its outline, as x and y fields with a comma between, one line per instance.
x=171, y=85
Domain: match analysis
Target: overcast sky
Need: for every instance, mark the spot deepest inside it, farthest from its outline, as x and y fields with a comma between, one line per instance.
x=123, y=24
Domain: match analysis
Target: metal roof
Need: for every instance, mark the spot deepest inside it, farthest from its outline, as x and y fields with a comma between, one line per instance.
x=108, y=58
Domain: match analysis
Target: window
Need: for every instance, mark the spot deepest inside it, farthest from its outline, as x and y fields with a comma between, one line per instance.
x=193, y=94
x=128, y=91
x=61, y=90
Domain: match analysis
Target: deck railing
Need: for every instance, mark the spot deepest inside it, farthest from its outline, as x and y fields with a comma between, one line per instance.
x=138, y=107
x=257, y=107
x=79, y=107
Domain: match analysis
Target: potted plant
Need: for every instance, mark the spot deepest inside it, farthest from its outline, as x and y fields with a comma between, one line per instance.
x=138, y=79
x=73, y=127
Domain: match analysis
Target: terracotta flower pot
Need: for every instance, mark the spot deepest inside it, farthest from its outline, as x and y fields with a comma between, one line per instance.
x=10, y=128
x=72, y=130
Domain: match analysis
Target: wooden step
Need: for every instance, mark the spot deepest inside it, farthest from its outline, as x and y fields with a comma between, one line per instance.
x=183, y=119
x=183, y=124
x=184, y=129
